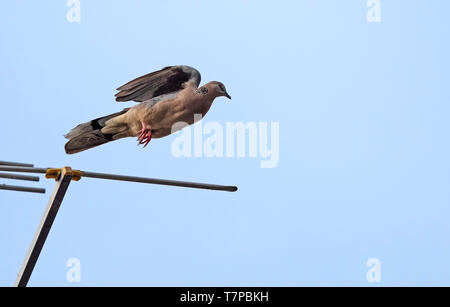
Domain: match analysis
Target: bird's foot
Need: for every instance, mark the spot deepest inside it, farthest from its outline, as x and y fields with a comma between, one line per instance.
x=145, y=135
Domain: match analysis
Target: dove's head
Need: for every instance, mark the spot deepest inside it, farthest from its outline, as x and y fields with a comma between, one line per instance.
x=218, y=89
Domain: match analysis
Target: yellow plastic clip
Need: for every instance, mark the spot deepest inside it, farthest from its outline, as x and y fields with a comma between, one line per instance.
x=53, y=173
x=77, y=175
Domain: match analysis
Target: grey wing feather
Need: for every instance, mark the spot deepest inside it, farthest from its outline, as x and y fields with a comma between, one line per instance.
x=165, y=81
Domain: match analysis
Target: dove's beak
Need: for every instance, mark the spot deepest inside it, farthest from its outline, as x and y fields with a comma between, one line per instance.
x=227, y=95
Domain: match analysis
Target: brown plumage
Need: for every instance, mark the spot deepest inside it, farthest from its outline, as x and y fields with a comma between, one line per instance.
x=167, y=97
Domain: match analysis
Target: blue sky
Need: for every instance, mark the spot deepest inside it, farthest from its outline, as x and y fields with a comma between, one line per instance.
x=364, y=165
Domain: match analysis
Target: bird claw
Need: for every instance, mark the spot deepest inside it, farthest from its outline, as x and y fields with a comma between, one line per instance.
x=145, y=135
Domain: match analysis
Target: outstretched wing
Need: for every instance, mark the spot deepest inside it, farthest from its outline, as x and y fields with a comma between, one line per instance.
x=167, y=80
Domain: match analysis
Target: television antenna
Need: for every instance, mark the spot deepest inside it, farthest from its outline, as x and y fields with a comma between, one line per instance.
x=63, y=177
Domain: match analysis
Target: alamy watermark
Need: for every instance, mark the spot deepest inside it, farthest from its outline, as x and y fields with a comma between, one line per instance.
x=374, y=12
x=74, y=272
x=74, y=11
x=234, y=139
x=374, y=273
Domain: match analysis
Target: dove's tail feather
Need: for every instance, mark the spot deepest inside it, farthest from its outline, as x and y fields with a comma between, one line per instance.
x=89, y=135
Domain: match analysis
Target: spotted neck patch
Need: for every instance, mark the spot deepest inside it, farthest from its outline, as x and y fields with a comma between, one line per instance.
x=202, y=90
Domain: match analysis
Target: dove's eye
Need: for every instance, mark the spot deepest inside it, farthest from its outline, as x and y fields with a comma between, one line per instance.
x=222, y=87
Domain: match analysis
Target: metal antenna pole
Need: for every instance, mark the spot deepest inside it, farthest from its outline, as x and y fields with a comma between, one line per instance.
x=19, y=177
x=21, y=189
x=15, y=164
x=44, y=227
x=63, y=177
x=177, y=183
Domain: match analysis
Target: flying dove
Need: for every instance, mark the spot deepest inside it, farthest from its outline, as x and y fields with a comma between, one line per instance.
x=167, y=96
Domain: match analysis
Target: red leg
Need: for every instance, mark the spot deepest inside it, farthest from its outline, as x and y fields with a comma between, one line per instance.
x=145, y=135
x=142, y=132
x=148, y=137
